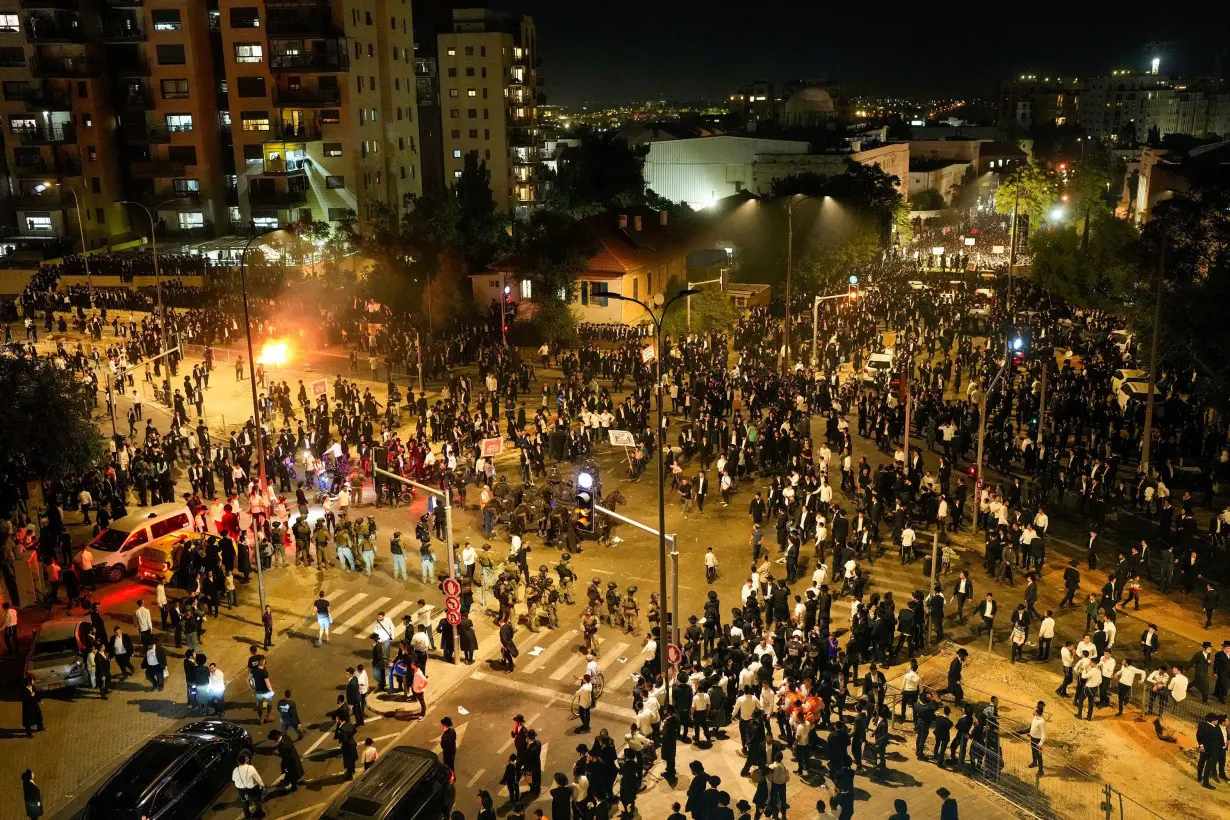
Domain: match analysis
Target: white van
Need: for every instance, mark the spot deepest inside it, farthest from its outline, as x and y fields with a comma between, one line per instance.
x=117, y=549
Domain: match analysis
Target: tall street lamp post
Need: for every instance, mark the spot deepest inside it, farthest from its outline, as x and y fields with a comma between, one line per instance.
x=162, y=318
x=791, y=201
x=660, y=443
x=89, y=282
x=259, y=432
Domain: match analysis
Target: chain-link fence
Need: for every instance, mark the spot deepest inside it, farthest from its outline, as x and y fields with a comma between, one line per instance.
x=1004, y=761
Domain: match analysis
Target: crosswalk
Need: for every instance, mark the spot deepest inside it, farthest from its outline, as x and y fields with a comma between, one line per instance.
x=552, y=655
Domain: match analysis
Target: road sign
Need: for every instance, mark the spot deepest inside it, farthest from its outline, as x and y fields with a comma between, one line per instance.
x=452, y=586
x=621, y=438
x=492, y=447
x=320, y=387
x=452, y=603
x=673, y=655
x=648, y=354
x=453, y=617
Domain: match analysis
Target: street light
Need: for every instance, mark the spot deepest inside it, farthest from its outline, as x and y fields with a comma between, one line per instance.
x=272, y=350
x=89, y=282
x=663, y=665
x=162, y=319
x=791, y=201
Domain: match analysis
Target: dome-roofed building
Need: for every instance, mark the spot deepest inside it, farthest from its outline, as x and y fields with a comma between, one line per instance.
x=808, y=107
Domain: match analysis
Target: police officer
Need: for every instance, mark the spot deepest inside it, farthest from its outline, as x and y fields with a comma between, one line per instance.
x=630, y=612
x=613, y=611
x=566, y=576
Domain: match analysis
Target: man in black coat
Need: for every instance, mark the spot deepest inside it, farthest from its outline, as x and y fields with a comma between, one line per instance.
x=696, y=791
x=292, y=765
x=354, y=699
x=1211, y=744
x=670, y=740
x=1071, y=583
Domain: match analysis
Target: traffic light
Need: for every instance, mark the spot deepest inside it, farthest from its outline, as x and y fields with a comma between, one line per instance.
x=584, y=512
x=853, y=295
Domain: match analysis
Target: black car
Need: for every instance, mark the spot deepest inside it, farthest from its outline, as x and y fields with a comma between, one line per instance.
x=173, y=776
x=406, y=783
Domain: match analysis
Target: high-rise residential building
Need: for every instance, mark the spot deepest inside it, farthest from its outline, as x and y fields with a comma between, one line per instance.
x=320, y=107
x=487, y=73
x=60, y=137
x=1124, y=105
x=1031, y=100
x=214, y=116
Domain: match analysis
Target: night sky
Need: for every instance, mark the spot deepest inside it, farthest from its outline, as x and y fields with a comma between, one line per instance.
x=617, y=52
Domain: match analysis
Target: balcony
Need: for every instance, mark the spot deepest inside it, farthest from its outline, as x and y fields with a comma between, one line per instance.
x=50, y=200
x=289, y=132
x=157, y=170
x=146, y=135
x=276, y=199
x=302, y=25
x=132, y=67
x=61, y=168
x=307, y=97
x=136, y=99
x=44, y=99
x=65, y=5
x=44, y=66
x=48, y=30
x=46, y=136
x=286, y=167
x=123, y=32
x=320, y=62
x=171, y=200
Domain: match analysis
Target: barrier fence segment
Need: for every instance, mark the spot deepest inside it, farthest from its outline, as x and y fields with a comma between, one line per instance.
x=1003, y=764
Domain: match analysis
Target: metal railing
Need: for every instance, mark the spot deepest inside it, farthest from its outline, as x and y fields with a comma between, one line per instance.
x=1003, y=764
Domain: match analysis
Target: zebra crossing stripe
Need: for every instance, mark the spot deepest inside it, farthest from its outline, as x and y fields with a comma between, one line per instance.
x=335, y=612
x=358, y=617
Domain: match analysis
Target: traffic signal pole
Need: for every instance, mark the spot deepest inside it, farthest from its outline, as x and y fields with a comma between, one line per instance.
x=674, y=604
x=448, y=535
x=851, y=295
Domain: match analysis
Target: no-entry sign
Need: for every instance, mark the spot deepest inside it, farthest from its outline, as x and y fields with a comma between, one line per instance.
x=492, y=447
x=673, y=655
x=452, y=586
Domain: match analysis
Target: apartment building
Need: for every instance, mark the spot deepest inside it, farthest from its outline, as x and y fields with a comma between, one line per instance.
x=60, y=140
x=488, y=78
x=320, y=106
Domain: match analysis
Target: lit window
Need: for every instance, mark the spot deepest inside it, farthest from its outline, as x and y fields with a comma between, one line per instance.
x=452, y=52
x=470, y=92
x=9, y=22
x=191, y=219
x=38, y=224
x=255, y=120
x=179, y=123
x=332, y=149
x=456, y=153
x=249, y=53
x=166, y=20
x=526, y=289
x=452, y=92
x=456, y=175
x=268, y=223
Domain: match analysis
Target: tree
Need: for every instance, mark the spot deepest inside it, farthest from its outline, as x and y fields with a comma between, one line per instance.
x=712, y=310
x=1087, y=191
x=604, y=173
x=1031, y=188
x=481, y=231
x=1195, y=229
x=46, y=431
x=1098, y=269
x=927, y=199
x=554, y=248
x=306, y=243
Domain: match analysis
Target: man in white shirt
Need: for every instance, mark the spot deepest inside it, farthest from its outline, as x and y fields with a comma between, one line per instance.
x=1067, y=656
x=1046, y=634
x=911, y=684
x=1109, y=628
x=1177, y=688
x=1092, y=678
x=1107, y=666
x=144, y=623
x=1037, y=736
x=248, y=783
x=585, y=702
x=469, y=559
x=1125, y=678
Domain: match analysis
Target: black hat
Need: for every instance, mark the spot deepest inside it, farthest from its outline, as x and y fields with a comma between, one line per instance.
x=1207, y=645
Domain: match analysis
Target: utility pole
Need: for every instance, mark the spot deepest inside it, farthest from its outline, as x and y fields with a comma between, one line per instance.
x=789, y=266
x=1157, y=333
x=418, y=349
x=1042, y=400
x=1016, y=201
x=982, y=424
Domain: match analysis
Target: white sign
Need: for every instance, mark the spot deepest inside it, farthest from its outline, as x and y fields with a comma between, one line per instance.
x=937, y=251
x=648, y=354
x=969, y=240
x=621, y=438
x=997, y=249
x=491, y=447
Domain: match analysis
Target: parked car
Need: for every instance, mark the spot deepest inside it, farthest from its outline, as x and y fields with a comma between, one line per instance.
x=173, y=776
x=1127, y=375
x=876, y=364
x=54, y=659
x=117, y=549
x=161, y=558
x=406, y=783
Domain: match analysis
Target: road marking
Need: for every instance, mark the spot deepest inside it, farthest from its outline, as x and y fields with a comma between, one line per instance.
x=319, y=741
x=334, y=612
x=545, y=657
x=604, y=663
x=393, y=613
x=567, y=664
x=475, y=778
x=533, y=720
x=550, y=694
x=301, y=812
x=357, y=618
